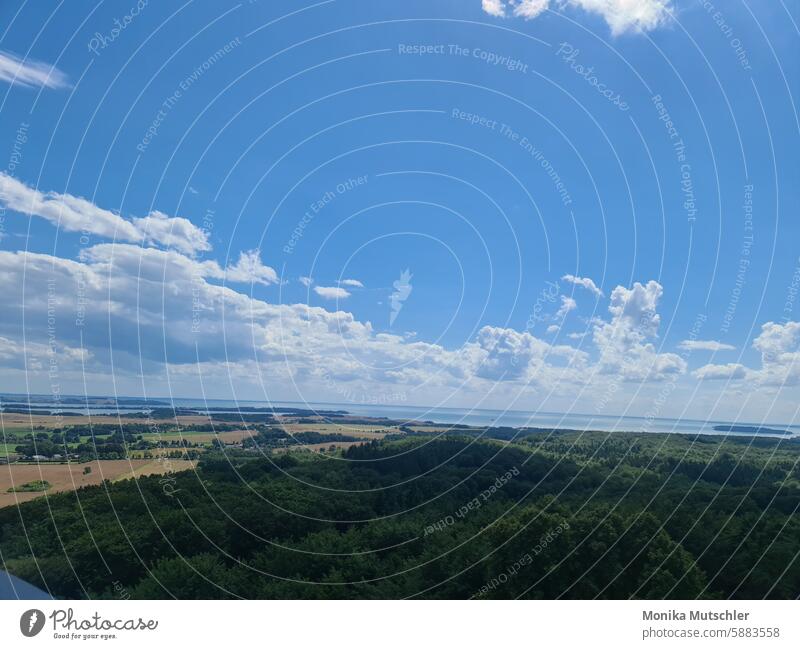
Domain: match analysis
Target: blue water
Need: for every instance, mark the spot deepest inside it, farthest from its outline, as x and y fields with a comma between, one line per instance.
x=514, y=418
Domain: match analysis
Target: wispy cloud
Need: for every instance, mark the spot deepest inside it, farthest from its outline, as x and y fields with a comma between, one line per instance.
x=30, y=73
x=705, y=345
x=402, y=289
x=306, y=281
x=583, y=282
x=567, y=305
x=351, y=282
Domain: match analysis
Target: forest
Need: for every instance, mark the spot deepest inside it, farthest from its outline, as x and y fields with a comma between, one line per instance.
x=543, y=515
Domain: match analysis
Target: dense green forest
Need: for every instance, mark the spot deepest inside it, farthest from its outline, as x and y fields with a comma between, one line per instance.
x=546, y=516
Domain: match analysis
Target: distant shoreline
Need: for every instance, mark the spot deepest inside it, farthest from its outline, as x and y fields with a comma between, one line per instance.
x=71, y=406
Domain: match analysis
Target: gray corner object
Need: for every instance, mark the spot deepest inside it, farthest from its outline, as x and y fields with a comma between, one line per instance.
x=12, y=587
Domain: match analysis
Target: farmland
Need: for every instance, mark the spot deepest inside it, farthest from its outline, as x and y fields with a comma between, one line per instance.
x=71, y=452
x=68, y=477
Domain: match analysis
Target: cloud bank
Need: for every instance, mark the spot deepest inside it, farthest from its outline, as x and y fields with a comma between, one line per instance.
x=149, y=303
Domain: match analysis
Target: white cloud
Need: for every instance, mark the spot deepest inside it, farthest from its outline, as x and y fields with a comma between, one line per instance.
x=705, y=345
x=331, y=292
x=552, y=329
x=494, y=7
x=172, y=232
x=250, y=269
x=529, y=9
x=306, y=281
x=623, y=342
x=30, y=73
x=628, y=15
x=38, y=356
x=636, y=307
x=720, y=372
x=583, y=282
x=567, y=305
x=351, y=282
x=161, y=313
x=155, y=265
x=779, y=345
x=150, y=306
x=75, y=214
x=620, y=15
x=156, y=308
x=506, y=354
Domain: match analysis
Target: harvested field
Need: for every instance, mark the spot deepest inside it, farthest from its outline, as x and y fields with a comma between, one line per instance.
x=68, y=477
x=158, y=466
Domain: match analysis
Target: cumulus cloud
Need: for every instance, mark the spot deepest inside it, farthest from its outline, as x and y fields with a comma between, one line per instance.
x=331, y=292
x=155, y=309
x=720, y=372
x=705, y=345
x=494, y=7
x=250, y=269
x=507, y=354
x=779, y=345
x=628, y=15
x=583, y=282
x=75, y=214
x=620, y=15
x=152, y=308
x=529, y=9
x=172, y=232
x=351, y=282
x=624, y=342
x=306, y=281
x=636, y=307
x=30, y=73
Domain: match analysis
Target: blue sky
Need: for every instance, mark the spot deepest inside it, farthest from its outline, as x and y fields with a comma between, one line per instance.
x=595, y=202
